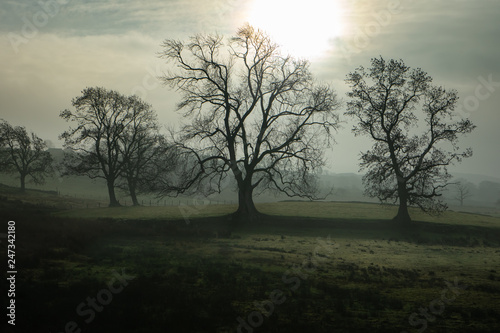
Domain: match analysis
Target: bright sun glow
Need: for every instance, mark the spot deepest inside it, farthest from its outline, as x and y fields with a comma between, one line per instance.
x=302, y=28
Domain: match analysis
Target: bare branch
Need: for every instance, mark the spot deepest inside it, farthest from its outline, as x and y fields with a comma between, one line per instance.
x=404, y=166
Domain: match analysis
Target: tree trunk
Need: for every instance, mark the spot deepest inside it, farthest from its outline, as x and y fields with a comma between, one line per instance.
x=133, y=194
x=246, y=208
x=23, y=183
x=113, y=202
x=403, y=216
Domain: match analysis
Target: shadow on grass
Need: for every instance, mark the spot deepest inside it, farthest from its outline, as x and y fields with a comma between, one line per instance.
x=64, y=261
x=418, y=232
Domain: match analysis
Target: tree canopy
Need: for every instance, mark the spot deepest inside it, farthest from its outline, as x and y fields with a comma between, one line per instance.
x=24, y=154
x=254, y=113
x=412, y=149
x=115, y=137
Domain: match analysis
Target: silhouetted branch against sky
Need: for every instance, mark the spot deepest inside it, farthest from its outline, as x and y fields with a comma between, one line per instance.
x=414, y=131
x=52, y=49
x=251, y=111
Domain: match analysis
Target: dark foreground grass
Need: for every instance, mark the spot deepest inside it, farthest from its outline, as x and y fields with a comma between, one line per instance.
x=280, y=275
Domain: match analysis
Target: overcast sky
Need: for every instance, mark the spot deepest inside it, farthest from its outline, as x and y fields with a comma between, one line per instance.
x=52, y=49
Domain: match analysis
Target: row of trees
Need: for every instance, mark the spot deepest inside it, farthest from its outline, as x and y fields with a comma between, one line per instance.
x=117, y=138
x=260, y=118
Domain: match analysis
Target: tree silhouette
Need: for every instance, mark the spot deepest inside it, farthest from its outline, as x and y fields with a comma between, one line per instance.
x=408, y=161
x=113, y=135
x=462, y=192
x=146, y=155
x=255, y=114
x=24, y=154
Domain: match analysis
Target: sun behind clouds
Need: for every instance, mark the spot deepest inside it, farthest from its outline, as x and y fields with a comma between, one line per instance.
x=304, y=29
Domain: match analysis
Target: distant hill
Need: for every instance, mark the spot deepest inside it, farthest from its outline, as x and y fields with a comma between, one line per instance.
x=57, y=154
x=483, y=190
x=475, y=178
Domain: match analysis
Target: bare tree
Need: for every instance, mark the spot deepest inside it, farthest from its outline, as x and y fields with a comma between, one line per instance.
x=463, y=192
x=110, y=129
x=24, y=154
x=408, y=161
x=147, y=156
x=254, y=113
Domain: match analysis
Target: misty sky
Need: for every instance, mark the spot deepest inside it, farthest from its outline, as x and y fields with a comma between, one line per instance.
x=52, y=49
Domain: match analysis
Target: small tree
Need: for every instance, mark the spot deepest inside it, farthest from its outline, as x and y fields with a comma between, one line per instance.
x=105, y=141
x=255, y=114
x=462, y=192
x=408, y=161
x=24, y=154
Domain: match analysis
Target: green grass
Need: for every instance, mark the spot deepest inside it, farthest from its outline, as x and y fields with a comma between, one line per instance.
x=370, y=273
x=369, y=212
x=150, y=213
x=322, y=210
x=188, y=280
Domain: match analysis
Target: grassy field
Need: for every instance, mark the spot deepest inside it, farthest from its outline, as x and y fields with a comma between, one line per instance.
x=322, y=210
x=306, y=267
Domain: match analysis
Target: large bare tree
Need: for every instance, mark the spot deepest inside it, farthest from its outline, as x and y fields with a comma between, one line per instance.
x=254, y=113
x=411, y=151
x=24, y=154
x=109, y=138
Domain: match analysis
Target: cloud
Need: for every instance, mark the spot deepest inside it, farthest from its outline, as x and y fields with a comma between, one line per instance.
x=41, y=80
x=92, y=43
x=114, y=44
x=177, y=18
x=452, y=40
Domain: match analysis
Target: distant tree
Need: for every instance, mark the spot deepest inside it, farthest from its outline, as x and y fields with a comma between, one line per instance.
x=463, y=192
x=24, y=154
x=106, y=142
x=254, y=113
x=146, y=154
x=405, y=165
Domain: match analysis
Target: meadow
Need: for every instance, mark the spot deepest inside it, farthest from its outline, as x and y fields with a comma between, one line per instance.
x=304, y=266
